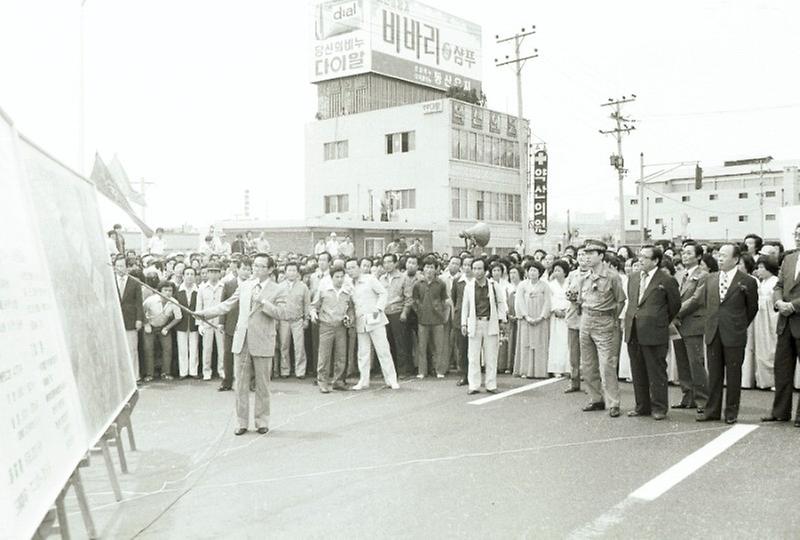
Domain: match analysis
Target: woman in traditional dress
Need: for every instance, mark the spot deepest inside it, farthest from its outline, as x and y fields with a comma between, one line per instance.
x=747, y=265
x=558, y=355
x=497, y=272
x=532, y=304
x=514, y=279
x=766, y=323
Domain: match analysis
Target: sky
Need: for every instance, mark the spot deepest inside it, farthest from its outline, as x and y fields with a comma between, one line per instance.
x=207, y=98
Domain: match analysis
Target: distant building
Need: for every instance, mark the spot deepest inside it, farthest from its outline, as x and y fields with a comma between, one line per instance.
x=388, y=146
x=729, y=203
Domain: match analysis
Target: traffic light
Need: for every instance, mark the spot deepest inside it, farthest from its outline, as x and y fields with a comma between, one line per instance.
x=698, y=177
x=648, y=233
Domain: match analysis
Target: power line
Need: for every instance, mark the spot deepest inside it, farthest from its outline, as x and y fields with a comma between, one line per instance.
x=721, y=111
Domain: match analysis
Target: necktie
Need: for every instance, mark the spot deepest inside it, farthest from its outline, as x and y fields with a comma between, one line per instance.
x=723, y=285
x=642, y=286
x=254, y=297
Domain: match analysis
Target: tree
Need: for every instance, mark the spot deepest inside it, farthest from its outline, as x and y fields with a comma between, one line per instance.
x=470, y=96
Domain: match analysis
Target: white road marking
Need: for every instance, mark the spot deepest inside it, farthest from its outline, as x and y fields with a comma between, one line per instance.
x=663, y=482
x=518, y=390
x=681, y=470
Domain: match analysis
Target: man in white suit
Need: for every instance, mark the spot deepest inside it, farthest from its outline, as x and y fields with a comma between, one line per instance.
x=481, y=314
x=369, y=299
x=262, y=304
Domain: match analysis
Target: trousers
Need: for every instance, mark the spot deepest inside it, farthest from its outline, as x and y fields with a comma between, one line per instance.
x=431, y=336
x=133, y=348
x=149, y=342
x=293, y=330
x=786, y=352
x=724, y=364
x=574, y=348
x=332, y=343
x=482, y=344
x=649, y=372
x=187, y=353
x=376, y=338
x=598, y=362
x=692, y=376
x=209, y=337
x=244, y=364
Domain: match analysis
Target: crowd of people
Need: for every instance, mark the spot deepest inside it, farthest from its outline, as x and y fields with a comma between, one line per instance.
x=711, y=318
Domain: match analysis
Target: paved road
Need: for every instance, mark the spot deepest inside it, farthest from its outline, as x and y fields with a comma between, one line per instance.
x=423, y=463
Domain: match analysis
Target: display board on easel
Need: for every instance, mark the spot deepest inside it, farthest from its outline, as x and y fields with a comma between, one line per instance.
x=65, y=370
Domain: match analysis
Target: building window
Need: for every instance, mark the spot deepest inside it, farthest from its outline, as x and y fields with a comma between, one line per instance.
x=742, y=218
x=769, y=194
x=335, y=150
x=455, y=151
x=685, y=198
x=743, y=195
x=472, y=148
x=479, y=206
x=634, y=222
x=659, y=200
x=397, y=143
x=659, y=221
x=335, y=204
x=403, y=198
x=373, y=246
x=634, y=202
x=713, y=219
x=713, y=197
x=688, y=220
x=769, y=217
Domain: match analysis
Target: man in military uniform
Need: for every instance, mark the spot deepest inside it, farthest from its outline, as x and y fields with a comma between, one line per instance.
x=601, y=299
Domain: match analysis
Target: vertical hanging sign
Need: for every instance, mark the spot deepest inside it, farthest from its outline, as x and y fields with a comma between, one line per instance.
x=539, y=221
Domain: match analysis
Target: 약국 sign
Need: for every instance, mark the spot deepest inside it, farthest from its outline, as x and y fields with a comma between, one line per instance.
x=539, y=221
x=403, y=39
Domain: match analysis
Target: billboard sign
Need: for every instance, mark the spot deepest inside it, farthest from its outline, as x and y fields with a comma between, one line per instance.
x=539, y=214
x=403, y=39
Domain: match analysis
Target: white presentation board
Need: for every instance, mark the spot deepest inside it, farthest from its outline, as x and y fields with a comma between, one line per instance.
x=65, y=371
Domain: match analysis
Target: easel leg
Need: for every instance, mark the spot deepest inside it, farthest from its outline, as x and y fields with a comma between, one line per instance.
x=77, y=484
x=112, y=474
x=131, y=440
x=123, y=463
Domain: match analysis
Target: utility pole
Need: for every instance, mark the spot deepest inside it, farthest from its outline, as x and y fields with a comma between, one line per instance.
x=642, y=225
x=524, y=177
x=617, y=160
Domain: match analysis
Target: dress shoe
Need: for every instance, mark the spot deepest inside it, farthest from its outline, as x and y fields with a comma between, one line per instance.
x=797, y=423
x=461, y=382
x=339, y=385
x=263, y=430
x=596, y=406
x=773, y=419
x=613, y=412
x=359, y=387
x=730, y=421
x=240, y=431
x=301, y=377
x=570, y=390
x=324, y=389
x=224, y=389
x=682, y=406
x=659, y=416
x=632, y=414
x=704, y=418
x=493, y=390
x=471, y=392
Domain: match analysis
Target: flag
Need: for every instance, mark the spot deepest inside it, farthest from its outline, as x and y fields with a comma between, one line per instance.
x=105, y=183
x=119, y=175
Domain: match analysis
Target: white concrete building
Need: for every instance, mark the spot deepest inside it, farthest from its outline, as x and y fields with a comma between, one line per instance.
x=444, y=163
x=741, y=197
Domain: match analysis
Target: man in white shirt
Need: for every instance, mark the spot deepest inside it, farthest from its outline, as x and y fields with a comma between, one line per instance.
x=157, y=244
x=369, y=299
x=209, y=295
x=332, y=245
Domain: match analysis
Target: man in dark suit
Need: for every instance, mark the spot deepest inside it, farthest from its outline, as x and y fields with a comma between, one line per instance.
x=689, y=353
x=243, y=272
x=730, y=298
x=653, y=301
x=787, y=303
x=130, y=299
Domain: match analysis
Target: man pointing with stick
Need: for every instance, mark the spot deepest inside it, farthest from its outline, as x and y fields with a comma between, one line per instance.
x=261, y=304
